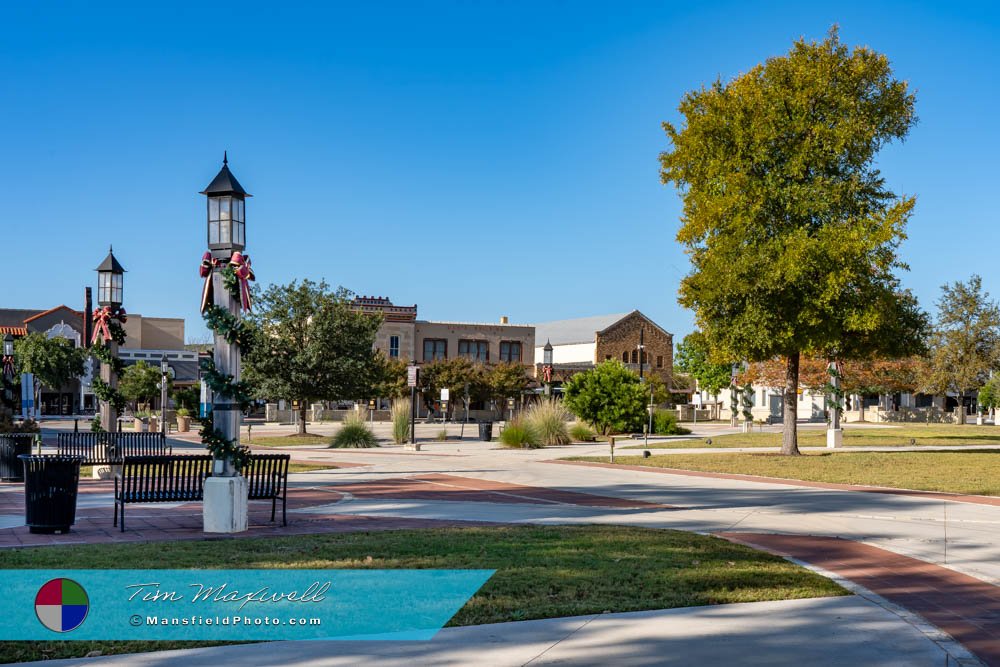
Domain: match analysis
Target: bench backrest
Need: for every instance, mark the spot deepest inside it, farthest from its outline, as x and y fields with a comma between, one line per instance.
x=112, y=447
x=165, y=477
x=266, y=475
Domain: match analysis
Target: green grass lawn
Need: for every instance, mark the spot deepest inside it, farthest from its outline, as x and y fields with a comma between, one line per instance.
x=289, y=440
x=922, y=435
x=542, y=571
x=973, y=471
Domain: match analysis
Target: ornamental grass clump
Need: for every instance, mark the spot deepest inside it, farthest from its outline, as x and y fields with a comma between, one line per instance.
x=400, y=416
x=548, y=419
x=580, y=432
x=354, y=433
x=521, y=434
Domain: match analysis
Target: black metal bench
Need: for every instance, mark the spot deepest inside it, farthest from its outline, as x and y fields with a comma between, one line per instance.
x=13, y=445
x=180, y=479
x=110, y=448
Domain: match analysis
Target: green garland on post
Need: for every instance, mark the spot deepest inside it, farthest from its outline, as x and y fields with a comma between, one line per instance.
x=231, y=328
x=101, y=350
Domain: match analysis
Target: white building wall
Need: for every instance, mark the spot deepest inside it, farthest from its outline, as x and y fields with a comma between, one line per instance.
x=566, y=354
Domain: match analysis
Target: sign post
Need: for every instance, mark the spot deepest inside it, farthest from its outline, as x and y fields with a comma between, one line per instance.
x=412, y=374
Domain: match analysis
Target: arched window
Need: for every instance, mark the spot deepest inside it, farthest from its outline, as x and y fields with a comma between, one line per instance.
x=635, y=356
x=625, y=357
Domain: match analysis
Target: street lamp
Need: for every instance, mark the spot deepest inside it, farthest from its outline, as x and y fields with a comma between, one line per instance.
x=8, y=366
x=547, y=366
x=642, y=350
x=164, y=373
x=226, y=214
x=110, y=291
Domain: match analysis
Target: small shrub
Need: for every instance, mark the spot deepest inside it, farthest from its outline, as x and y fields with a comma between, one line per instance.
x=400, y=416
x=442, y=435
x=581, y=433
x=354, y=433
x=520, y=433
x=95, y=425
x=665, y=423
x=548, y=419
x=183, y=412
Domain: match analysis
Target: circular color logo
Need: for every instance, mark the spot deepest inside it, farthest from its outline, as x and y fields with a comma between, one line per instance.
x=62, y=605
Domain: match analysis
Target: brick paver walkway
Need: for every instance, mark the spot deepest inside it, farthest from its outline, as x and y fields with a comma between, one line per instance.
x=156, y=522
x=937, y=495
x=966, y=608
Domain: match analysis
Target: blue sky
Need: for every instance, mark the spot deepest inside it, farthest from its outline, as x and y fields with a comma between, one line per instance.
x=477, y=159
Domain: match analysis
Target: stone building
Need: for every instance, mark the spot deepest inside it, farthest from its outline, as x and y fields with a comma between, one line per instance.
x=581, y=343
x=147, y=339
x=403, y=336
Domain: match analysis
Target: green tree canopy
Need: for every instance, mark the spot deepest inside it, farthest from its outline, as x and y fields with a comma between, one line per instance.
x=791, y=230
x=504, y=380
x=310, y=345
x=965, y=342
x=53, y=361
x=693, y=358
x=140, y=383
x=609, y=397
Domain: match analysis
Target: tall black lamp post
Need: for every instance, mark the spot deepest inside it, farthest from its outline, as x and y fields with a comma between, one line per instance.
x=642, y=350
x=547, y=366
x=225, y=503
x=110, y=294
x=164, y=376
x=8, y=367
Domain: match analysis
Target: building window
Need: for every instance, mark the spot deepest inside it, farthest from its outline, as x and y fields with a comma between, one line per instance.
x=659, y=361
x=394, y=347
x=607, y=357
x=476, y=350
x=635, y=356
x=435, y=348
x=625, y=357
x=510, y=351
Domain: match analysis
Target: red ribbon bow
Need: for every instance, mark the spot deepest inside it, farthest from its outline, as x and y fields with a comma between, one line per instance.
x=102, y=316
x=8, y=366
x=242, y=269
x=241, y=265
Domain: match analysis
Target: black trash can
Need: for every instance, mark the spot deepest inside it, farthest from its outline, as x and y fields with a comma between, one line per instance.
x=13, y=445
x=50, y=489
x=486, y=431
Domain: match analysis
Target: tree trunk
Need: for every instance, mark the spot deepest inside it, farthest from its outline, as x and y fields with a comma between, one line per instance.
x=790, y=400
x=302, y=419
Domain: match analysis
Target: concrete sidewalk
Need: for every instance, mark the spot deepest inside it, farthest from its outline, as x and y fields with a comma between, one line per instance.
x=844, y=631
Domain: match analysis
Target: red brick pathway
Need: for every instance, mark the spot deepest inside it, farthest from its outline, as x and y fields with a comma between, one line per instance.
x=456, y=488
x=937, y=495
x=966, y=608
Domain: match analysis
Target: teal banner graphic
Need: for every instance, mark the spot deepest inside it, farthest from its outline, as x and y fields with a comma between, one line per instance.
x=236, y=605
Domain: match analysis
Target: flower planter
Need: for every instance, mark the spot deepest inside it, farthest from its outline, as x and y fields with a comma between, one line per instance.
x=183, y=424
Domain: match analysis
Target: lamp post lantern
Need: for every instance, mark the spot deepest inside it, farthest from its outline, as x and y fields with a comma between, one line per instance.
x=110, y=296
x=226, y=200
x=164, y=376
x=547, y=366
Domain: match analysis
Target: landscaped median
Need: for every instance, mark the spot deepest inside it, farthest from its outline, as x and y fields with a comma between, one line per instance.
x=541, y=572
x=973, y=472
x=855, y=435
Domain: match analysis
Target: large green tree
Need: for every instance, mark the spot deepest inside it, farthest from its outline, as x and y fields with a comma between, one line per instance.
x=308, y=344
x=53, y=361
x=140, y=383
x=694, y=358
x=791, y=231
x=610, y=397
x=965, y=342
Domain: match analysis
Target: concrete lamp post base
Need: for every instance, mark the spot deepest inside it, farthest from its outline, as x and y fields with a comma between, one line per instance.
x=225, y=507
x=834, y=437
